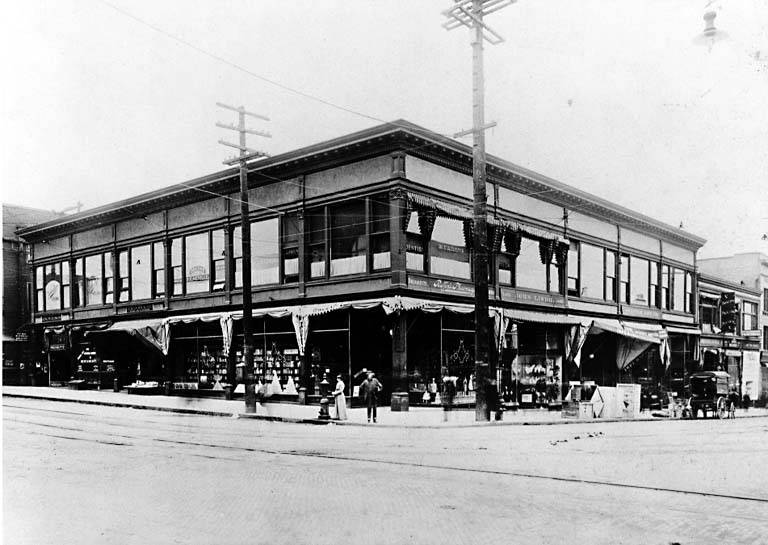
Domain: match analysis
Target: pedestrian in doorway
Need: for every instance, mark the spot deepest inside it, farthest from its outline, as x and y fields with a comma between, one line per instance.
x=370, y=390
x=340, y=400
x=449, y=393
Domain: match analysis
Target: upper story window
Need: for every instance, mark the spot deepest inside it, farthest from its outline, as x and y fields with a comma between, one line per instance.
x=625, y=295
x=666, y=282
x=349, y=244
x=709, y=315
x=124, y=276
x=414, y=245
x=574, y=264
x=639, y=283
x=289, y=246
x=610, y=276
x=158, y=269
x=52, y=285
x=654, y=291
x=141, y=273
x=94, y=280
x=531, y=272
x=448, y=254
x=678, y=289
x=379, y=225
x=265, y=253
x=765, y=303
x=346, y=238
x=749, y=316
x=198, y=265
x=592, y=271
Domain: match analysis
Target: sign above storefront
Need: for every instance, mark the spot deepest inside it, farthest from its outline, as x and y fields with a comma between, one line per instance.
x=532, y=298
x=639, y=312
x=439, y=285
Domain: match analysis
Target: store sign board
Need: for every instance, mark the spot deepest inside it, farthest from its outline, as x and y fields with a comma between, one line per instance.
x=520, y=296
x=52, y=318
x=640, y=312
x=22, y=337
x=440, y=285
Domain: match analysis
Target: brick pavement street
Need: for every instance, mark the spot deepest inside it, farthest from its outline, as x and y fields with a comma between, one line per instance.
x=89, y=474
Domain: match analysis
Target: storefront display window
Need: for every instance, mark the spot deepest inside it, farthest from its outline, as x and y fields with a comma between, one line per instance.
x=448, y=255
x=348, y=239
x=535, y=370
x=639, y=281
x=140, y=273
x=531, y=273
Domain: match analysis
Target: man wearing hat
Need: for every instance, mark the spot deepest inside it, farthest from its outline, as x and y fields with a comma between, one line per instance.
x=370, y=389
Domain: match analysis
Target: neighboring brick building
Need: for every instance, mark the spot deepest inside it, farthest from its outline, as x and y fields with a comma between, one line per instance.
x=17, y=287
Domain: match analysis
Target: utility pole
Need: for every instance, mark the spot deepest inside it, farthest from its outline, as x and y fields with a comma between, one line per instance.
x=245, y=155
x=469, y=13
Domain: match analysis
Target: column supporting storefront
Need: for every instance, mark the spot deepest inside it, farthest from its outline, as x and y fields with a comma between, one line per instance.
x=399, y=399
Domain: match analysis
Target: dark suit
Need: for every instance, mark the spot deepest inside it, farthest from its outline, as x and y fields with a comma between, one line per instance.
x=370, y=389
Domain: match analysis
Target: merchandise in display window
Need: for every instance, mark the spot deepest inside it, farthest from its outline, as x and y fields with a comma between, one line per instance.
x=533, y=364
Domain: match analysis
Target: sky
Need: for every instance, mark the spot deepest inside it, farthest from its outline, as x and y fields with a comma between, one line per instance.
x=105, y=99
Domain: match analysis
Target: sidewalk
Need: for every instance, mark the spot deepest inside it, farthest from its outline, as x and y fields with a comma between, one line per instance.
x=416, y=417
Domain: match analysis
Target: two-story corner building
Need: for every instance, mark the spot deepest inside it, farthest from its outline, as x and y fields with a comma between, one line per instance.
x=362, y=259
x=730, y=334
x=18, y=358
x=749, y=269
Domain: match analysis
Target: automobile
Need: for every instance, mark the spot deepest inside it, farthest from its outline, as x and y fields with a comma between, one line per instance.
x=709, y=394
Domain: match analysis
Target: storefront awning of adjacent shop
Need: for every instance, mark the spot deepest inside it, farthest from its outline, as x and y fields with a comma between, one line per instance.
x=642, y=332
x=153, y=333
x=683, y=330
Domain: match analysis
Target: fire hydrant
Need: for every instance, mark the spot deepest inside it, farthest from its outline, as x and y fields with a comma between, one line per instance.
x=324, y=402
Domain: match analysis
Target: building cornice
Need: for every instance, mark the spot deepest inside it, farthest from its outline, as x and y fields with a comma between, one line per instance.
x=395, y=136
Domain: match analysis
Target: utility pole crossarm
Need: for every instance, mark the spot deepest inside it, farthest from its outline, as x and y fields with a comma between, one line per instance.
x=241, y=110
x=249, y=131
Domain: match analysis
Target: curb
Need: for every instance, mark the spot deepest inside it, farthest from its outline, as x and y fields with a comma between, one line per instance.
x=319, y=422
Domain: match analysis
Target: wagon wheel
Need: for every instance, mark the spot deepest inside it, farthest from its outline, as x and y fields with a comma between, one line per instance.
x=721, y=409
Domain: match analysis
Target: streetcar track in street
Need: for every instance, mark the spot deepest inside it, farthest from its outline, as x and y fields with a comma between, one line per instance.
x=315, y=454
x=339, y=457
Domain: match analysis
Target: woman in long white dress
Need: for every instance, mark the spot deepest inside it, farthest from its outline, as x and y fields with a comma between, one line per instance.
x=340, y=399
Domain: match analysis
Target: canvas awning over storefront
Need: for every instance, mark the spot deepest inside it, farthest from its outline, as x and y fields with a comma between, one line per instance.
x=649, y=333
x=543, y=317
x=153, y=333
x=683, y=330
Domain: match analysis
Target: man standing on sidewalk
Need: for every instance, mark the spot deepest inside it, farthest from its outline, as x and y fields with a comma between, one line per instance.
x=370, y=390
